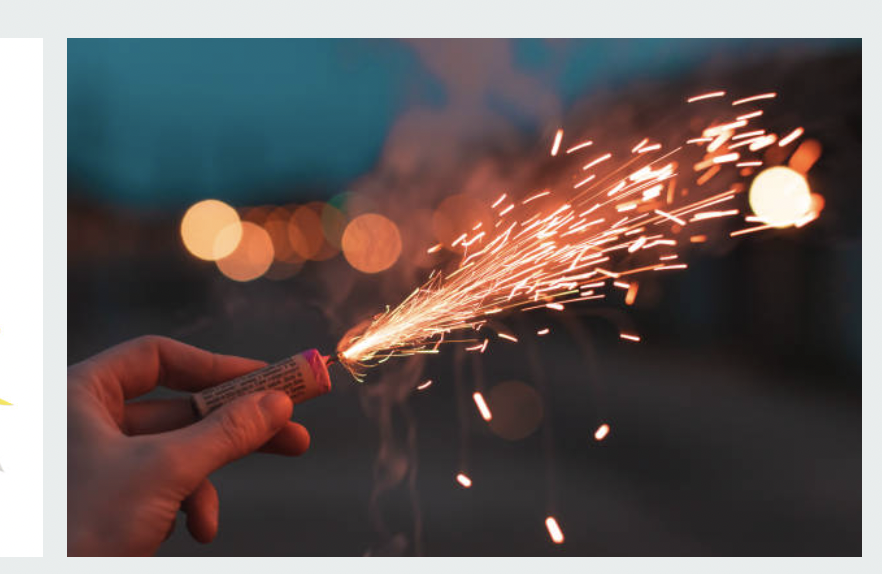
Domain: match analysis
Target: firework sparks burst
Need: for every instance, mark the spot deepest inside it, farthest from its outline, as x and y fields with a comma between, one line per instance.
x=614, y=215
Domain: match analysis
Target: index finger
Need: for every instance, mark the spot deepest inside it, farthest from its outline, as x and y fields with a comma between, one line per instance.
x=138, y=366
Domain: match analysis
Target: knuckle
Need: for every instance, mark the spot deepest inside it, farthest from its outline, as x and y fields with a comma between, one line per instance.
x=238, y=426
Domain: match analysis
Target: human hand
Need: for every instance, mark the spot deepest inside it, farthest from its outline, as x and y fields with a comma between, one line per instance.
x=133, y=465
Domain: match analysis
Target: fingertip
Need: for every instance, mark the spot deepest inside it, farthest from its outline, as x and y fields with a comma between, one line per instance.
x=202, y=508
x=292, y=440
x=301, y=438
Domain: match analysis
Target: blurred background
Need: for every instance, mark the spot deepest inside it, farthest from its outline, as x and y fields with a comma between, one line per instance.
x=734, y=427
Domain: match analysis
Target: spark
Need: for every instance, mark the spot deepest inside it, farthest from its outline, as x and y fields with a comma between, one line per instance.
x=642, y=143
x=762, y=142
x=544, y=255
x=712, y=214
x=751, y=115
x=602, y=432
x=767, y=96
x=542, y=332
x=619, y=187
x=580, y=146
x=465, y=481
x=537, y=196
x=708, y=175
x=641, y=241
x=631, y=295
x=556, y=146
x=675, y=266
x=482, y=406
x=596, y=161
x=751, y=230
x=754, y=133
x=671, y=217
x=706, y=96
x=584, y=181
x=726, y=158
x=807, y=218
x=718, y=129
x=554, y=530
x=791, y=136
x=425, y=385
x=653, y=192
x=435, y=248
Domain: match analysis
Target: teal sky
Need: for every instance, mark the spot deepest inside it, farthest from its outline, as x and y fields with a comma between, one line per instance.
x=168, y=122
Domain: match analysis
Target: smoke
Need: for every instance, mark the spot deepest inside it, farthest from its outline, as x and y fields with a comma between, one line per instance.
x=468, y=145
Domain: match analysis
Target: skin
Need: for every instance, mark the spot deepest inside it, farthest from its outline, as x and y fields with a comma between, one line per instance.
x=133, y=465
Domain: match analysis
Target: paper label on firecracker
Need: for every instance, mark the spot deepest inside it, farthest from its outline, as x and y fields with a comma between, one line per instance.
x=296, y=376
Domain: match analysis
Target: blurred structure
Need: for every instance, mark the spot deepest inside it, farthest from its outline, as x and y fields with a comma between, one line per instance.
x=732, y=429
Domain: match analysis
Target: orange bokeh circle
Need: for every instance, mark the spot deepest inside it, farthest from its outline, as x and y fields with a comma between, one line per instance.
x=252, y=257
x=306, y=235
x=201, y=229
x=371, y=243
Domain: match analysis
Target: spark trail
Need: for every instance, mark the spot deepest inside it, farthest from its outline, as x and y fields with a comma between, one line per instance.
x=616, y=214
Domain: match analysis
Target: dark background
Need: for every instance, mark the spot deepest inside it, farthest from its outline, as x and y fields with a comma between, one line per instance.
x=736, y=423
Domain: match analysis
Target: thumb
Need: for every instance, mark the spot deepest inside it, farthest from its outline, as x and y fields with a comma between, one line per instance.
x=231, y=432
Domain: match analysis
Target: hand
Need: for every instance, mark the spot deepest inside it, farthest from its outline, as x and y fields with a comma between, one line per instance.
x=132, y=466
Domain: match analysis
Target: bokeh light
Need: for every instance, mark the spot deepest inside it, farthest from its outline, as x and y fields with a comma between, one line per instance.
x=333, y=224
x=371, y=243
x=201, y=229
x=780, y=196
x=276, y=224
x=306, y=235
x=257, y=214
x=252, y=257
x=517, y=410
x=305, y=232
